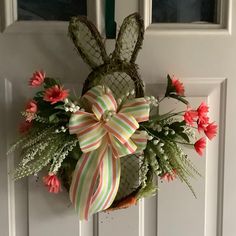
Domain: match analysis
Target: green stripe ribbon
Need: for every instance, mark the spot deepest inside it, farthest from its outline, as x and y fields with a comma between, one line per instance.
x=96, y=177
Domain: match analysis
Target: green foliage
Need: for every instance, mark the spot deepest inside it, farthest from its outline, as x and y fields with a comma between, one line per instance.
x=149, y=190
x=42, y=146
x=61, y=154
x=163, y=153
x=36, y=133
x=179, y=128
x=50, y=82
x=180, y=163
x=148, y=187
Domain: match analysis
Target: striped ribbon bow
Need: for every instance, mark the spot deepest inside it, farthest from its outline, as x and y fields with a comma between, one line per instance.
x=104, y=135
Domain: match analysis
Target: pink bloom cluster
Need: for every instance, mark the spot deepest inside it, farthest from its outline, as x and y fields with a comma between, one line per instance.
x=198, y=117
x=30, y=109
x=201, y=119
x=169, y=176
x=53, y=95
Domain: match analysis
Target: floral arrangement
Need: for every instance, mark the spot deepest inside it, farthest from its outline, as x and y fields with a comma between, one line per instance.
x=108, y=146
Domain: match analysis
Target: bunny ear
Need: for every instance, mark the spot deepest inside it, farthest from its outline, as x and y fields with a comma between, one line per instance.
x=130, y=38
x=87, y=41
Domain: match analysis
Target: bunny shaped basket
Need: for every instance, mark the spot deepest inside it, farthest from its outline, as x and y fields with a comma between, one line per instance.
x=118, y=72
x=105, y=147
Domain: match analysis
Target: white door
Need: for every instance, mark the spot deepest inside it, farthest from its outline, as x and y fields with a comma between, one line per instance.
x=202, y=55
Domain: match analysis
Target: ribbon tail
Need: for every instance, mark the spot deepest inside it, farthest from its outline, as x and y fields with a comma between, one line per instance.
x=108, y=183
x=85, y=196
x=84, y=181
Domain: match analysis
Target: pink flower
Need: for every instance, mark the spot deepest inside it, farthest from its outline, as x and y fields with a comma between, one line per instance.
x=203, y=119
x=55, y=94
x=200, y=145
x=37, y=79
x=169, y=176
x=201, y=126
x=24, y=127
x=190, y=116
x=52, y=183
x=31, y=108
x=202, y=112
x=179, y=87
x=211, y=130
x=203, y=109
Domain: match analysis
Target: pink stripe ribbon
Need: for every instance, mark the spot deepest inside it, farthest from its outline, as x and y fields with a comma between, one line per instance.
x=104, y=135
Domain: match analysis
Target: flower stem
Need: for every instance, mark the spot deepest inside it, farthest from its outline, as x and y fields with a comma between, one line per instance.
x=159, y=101
x=189, y=144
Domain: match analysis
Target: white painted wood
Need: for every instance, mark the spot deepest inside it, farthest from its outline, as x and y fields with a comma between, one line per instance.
x=174, y=200
x=5, y=187
x=13, y=195
x=223, y=18
x=8, y=13
x=9, y=22
x=203, y=58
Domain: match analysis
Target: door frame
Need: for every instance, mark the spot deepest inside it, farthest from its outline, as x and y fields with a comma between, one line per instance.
x=223, y=27
x=9, y=23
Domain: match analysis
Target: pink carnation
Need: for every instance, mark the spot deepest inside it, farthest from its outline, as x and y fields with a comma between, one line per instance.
x=211, y=130
x=179, y=87
x=55, y=94
x=202, y=113
x=200, y=145
x=37, y=79
x=190, y=116
x=201, y=126
x=52, y=183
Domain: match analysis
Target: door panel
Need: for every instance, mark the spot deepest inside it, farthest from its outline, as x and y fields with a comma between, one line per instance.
x=176, y=205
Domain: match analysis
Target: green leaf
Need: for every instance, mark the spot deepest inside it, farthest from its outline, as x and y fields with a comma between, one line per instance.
x=184, y=136
x=170, y=88
x=179, y=98
x=178, y=127
x=50, y=82
x=52, y=117
x=38, y=95
x=148, y=191
x=60, y=107
x=177, y=124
